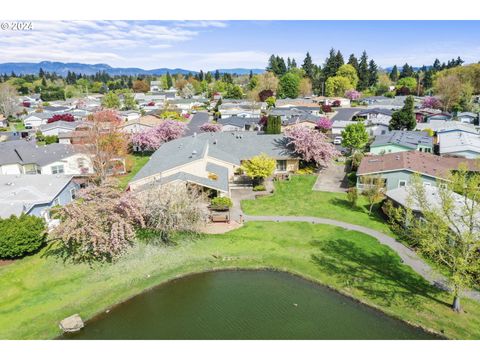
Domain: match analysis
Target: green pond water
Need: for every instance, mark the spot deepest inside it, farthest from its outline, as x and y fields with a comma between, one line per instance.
x=244, y=305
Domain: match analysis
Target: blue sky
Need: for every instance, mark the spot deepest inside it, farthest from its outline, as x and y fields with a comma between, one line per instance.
x=209, y=45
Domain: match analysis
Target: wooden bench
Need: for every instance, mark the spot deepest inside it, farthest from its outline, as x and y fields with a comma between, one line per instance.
x=219, y=218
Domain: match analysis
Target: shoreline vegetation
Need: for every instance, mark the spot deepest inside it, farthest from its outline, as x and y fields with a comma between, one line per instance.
x=366, y=271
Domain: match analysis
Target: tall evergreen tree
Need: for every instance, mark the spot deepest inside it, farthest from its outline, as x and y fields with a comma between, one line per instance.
x=289, y=64
x=217, y=75
x=407, y=71
x=282, y=67
x=394, y=74
x=372, y=73
x=294, y=63
x=436, y=65
x=352, y=60
x=272, y=64
x=250, y=75
x=363, y=74
x=307, y=66
x=339, y=59
x=331, y=64
x=169, y=80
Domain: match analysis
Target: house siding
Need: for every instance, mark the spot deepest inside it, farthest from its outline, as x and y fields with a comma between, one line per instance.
x=64, y=198
x=393, y=178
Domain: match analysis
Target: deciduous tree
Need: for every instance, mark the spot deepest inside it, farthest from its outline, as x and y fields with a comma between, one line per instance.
x=355, y=137
x=259, y=167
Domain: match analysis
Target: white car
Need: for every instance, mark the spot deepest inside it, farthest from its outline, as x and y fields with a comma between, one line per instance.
x=337, y=140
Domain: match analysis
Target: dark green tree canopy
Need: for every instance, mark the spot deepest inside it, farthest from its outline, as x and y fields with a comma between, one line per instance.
x=404, y=119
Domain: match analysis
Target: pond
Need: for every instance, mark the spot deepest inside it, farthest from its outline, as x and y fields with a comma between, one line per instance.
x=244, y=305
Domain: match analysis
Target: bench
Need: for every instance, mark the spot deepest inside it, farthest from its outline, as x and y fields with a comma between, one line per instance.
x=219, y=218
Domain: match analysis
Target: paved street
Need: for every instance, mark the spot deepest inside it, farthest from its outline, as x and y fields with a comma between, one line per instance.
x=198, y=120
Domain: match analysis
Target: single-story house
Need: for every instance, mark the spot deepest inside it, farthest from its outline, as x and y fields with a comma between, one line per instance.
x=55, y=109
x=374, y=114
x=374, y=127
x=35, y=194
x=459, y=143
x=467, y=117
x=209, y=160
x=129, y=115
x=34, y=120
x=236, y=123
x=397, y=168
x=156, y=86
x=447, y=126
x=384, y=102
x=59, y=127
x=396, y=141
x=141, y=124
x=25, y=157
x=438, y=117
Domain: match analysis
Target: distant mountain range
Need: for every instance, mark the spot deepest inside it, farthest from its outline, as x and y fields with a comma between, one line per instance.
x=90, y=69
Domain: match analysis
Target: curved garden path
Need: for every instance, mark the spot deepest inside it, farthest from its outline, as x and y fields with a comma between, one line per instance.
x=408, y=256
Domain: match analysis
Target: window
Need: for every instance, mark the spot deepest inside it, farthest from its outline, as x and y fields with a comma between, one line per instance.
x=72, y=193
x=57, y=169
x=281, y=165
x=402, y=183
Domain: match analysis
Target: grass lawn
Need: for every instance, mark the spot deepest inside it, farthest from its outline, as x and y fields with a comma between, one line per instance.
x=37, y=292
x=138, y=161
x=296, y=197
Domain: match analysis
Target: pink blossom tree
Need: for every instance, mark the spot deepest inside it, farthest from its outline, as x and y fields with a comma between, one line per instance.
x=92, y=230
x=152, y=139
x=311, y=145
x=353, y=94
x=209, y=127
x=324, y=124
x=431, y=102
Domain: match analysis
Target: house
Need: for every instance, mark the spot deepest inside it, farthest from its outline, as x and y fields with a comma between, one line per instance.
x=459, y=143
x=323, y=100
x=438, y=117
x=156, y=86
x=33, y=99
x=468, y=117
x=240, y=108
x=384, y=102
x=374, y=127
x=35, y=194
x=374, y=114
x=400, y=197
x=397, y=168
x=34, y=120
x=55, y=109
x=447, y=126
x=141, y=124
x=209, y=160
x=129, y=115
x=396, y=141
x=237, y=123
x=59, y=127
x=25, y=157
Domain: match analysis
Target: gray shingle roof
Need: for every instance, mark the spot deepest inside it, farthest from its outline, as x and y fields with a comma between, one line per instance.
x=408, y=139
x=19, y=193
x=231, y=147
x=26, y=152
x=239, y=121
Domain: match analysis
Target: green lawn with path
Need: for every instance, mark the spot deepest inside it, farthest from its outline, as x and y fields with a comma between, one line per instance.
x=38, y=291
x=296, y=197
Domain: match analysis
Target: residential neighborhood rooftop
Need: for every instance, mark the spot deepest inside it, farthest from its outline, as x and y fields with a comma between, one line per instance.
x=407, y=139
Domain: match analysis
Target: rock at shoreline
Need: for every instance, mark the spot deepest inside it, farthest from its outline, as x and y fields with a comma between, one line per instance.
x=72, y=323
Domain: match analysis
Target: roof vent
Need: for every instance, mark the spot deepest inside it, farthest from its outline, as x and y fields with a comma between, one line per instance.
x=194, y=152
x=215, y=142
x=194, y=134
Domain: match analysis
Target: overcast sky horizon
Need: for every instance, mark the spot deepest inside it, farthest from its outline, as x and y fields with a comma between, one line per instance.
x=209, y=45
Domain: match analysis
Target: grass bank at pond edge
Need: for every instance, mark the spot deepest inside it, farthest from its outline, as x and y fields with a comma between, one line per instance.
x=36, y=293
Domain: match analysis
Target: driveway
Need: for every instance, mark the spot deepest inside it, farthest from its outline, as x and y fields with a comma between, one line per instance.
x=198, y=120
x=332, y=179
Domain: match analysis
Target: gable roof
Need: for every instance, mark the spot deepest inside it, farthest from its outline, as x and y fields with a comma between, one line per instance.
x=230, y=147
x=414, y=161
x=19, y=193
x=27, y=152
x=407, y=139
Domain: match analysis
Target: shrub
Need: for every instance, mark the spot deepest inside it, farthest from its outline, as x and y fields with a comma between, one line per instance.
x=352, y=196
x=21, y=235
x=326, y=108
x=61, y=117
x=390, y=94
x=336, y=103
x=259, y=188
x=222, y=202
x=307, y=170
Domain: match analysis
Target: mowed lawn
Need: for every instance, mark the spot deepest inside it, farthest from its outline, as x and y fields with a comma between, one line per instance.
x=138, y=161
x=296, y=197
x=37, y=292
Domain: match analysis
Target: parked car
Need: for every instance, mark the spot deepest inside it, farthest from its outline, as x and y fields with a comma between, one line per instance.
x=337, y=140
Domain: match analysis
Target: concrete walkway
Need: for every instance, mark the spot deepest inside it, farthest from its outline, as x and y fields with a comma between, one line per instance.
x=409, y=257
x=332, y=179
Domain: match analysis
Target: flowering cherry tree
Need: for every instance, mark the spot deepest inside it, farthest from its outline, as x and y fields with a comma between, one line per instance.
x=324, y=124
x=209, y=127
x=92, y=230
x=353, y=94
x=152, y=139
x=311, y=145
x=431, y=102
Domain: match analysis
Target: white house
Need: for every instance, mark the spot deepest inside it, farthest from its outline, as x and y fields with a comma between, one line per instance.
x=25, y=157
x=467, y=117
x=459, y=143
x=34, y=120
x=59, y=127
